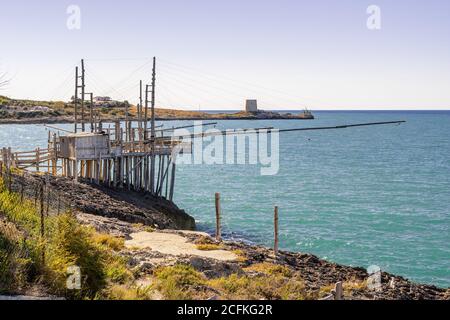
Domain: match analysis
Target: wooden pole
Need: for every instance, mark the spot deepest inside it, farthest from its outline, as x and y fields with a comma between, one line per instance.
x=153, y=100
x=37, y=158
x=75, y=101
x=275, y=222
x=82, y=94
x=55, y=156
x=48, y=153
x=146, y=112
x=172, y=180
x=218, y=231
x=152, y=137
x=140, y=112
x=338, y=291
x=91, y=112
x=41, y=200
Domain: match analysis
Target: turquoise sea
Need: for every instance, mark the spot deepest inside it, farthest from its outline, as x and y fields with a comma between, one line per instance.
x=361, y=196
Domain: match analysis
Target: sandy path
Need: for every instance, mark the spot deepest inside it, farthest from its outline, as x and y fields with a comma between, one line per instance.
x=173, y=244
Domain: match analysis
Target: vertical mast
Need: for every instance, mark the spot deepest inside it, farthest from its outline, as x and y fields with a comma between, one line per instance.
x=75, y=100
x=140, y=111
x=146, y=112
x=91, y=115
x=152, y=137
x=153, y=100
x=82, y=95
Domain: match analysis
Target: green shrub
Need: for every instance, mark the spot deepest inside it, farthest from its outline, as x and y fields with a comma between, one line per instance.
x=66, y=243
x=179, y=282
x=267, y=287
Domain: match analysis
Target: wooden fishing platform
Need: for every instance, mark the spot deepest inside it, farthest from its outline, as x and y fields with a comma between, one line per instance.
x=133, y=155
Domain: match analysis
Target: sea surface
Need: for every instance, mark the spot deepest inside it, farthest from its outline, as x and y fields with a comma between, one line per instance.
x=359, y=196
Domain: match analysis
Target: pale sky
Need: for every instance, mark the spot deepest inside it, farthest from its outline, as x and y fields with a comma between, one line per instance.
x=288, y=54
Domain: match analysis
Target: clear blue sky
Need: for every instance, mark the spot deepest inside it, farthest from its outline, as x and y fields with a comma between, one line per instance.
x=215, y=54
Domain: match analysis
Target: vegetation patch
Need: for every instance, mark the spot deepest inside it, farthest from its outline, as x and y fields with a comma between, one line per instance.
x=126, y=292
x=267, y=287
x=179, y=282
x=28, y=257
x=208, y=247
x=270, y=269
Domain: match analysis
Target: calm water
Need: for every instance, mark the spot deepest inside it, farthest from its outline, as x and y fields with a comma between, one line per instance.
x=362, y=196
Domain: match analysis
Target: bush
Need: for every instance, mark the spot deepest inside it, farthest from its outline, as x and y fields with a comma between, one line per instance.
x=66, y=243
x=208, y=247
x=15, y=266
x=180, y=282
x=268, y=287
x=4, y=114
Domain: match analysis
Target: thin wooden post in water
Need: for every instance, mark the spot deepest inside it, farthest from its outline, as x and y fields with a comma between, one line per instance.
x=172, y=180
x=275, y=220
x=218, y=231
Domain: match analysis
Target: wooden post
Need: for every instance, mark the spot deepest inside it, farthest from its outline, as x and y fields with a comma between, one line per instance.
x=275, y=220
x=338, y=291
x=91, y=114
x=140, y=112
x=41, y=200
x=37, y=158
x=172, y=180
x=153, y=100
x=75, y=170
x=218, y=231
x=55, y=156
x=75, y=101
x=82, y=94
x=48, y=153
x=59, y=203
x=152, y=136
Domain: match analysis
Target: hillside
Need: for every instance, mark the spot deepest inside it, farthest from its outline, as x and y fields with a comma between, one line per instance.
x=34, y=111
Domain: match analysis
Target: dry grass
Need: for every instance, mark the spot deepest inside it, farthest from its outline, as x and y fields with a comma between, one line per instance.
x=208, y=247
x=180, y=282
x=241, y=256
x=127, y=292
x=267, y=287
x=349, y=287
x=113, y=243
x=66, y=243
x=270, y=269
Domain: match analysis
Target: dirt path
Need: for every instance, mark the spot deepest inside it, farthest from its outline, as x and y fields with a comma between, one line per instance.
x=175, y=245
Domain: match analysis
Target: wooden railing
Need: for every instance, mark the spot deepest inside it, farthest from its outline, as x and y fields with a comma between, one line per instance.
x=27, y=159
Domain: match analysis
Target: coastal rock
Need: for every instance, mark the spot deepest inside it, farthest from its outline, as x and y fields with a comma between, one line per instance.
x=129, y=206
x=213, y=268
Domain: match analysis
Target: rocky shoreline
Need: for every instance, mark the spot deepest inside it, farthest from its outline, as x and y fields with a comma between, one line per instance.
x=129, y=206
x=156, y=234
x=316, y=273
x=200, y=117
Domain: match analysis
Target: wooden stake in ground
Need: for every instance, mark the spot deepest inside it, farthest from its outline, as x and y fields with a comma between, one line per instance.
x=218, y=232
x=275, y=222
x=41, y=211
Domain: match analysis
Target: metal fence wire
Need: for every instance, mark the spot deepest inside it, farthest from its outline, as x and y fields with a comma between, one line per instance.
x=35, y=192
x=36, y=188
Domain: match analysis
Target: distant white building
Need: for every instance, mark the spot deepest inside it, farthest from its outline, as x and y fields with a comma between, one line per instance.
x=251, y=106
x=100, y=101
x=40, y=108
